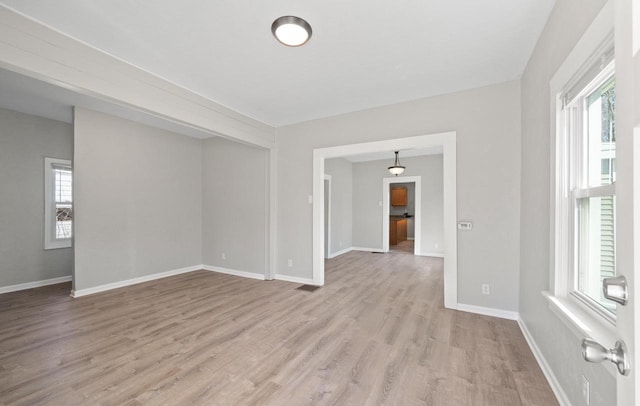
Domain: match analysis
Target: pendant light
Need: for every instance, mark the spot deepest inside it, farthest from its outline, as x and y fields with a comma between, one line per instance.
x=396, y=169
x=291, y=31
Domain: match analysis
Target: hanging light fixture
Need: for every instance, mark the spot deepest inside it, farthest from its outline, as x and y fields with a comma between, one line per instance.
x=291, y=31
x=396, y=169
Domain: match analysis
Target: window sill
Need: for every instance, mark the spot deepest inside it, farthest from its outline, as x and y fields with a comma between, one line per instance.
x=54, y=245
x=583, y=324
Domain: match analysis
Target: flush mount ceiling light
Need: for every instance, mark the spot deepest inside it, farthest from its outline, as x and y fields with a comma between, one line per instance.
x=291, y=31
x=396, y=169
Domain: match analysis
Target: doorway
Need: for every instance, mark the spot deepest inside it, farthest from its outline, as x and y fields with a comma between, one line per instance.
x=391, y=214
x=446, y=142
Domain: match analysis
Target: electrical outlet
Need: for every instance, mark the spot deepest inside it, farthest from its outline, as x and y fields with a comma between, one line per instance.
x=586, y=389
x=290, y=263
x=486, y=290
x=223, y=256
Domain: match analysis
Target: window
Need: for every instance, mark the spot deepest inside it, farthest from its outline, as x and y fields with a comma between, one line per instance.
x=588, y=140
x=58, y=183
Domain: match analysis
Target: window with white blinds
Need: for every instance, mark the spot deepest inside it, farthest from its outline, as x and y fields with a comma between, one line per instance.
x=58, y=178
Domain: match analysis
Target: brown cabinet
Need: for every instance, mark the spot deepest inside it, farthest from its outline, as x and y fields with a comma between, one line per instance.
x=397, y=230
x=398, y=196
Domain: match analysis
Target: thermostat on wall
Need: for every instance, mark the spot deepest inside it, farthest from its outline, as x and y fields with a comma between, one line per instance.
x=465, y=225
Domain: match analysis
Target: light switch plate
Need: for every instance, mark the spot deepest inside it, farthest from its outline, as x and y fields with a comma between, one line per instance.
x=465, y=225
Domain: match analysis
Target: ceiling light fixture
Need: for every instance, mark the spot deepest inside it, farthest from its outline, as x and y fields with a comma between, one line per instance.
x=291, y=31
x=396, y=169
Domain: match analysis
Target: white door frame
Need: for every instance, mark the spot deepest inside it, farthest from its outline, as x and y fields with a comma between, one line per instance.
x=386, y=203
x=445, y=140
x=328, y=231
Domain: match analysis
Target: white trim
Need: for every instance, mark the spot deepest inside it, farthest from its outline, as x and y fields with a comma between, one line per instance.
x=561, y=396
x=488, y=311
x=386, y=203
x=294, y=279
x=432, y=254
x=328, y=230
x=447, y=141
x=233, y=272
x=377, y=250
x=337, y=253
x=597, y=191
x=36, y=284
x=133, y=281
x=410, y=238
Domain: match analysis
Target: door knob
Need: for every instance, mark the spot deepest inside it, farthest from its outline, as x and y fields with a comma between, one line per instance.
x=595, y=352
x=616, y=289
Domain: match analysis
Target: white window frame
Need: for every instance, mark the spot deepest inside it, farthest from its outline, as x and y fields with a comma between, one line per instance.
x=570, y=157
x=578, y=317
x=50, y=240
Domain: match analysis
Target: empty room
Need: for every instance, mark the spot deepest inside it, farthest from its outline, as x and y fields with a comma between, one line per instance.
x=319, y=203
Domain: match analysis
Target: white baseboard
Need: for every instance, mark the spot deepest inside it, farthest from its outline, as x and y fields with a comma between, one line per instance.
x=338, y=253
x=432, y=254
x=36, y=284
x=546, y=370
x=488, y=311
x=294, y=279
x=133, y=281
x=234, y=272
x=410, y=239
x=366, y=249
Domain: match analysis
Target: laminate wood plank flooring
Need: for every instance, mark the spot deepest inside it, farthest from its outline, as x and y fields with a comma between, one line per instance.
x=375, y=334
x=405, y=246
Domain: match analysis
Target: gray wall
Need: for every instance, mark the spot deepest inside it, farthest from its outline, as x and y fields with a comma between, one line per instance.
x=367, y=212
x=235, y=212
x=341, y=172
x=24, y=142
x=560, y=347
x=487, y=122
x=138, y=200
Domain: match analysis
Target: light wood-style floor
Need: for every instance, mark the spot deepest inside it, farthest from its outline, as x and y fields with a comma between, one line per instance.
x=376, y=334
x=404, y=246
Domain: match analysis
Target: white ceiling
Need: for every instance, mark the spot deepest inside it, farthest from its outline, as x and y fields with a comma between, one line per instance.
x=363, y=53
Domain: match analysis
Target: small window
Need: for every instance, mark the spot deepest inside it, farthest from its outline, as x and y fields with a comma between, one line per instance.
x=590, y=175
x=58, y=184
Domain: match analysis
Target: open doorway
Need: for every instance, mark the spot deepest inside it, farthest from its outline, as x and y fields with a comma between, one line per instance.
x=444, y=143
x=402, y=214
x=401, y=217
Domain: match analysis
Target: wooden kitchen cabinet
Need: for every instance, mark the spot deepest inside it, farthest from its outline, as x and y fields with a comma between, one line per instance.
x=398, y=196
x=397, y=230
